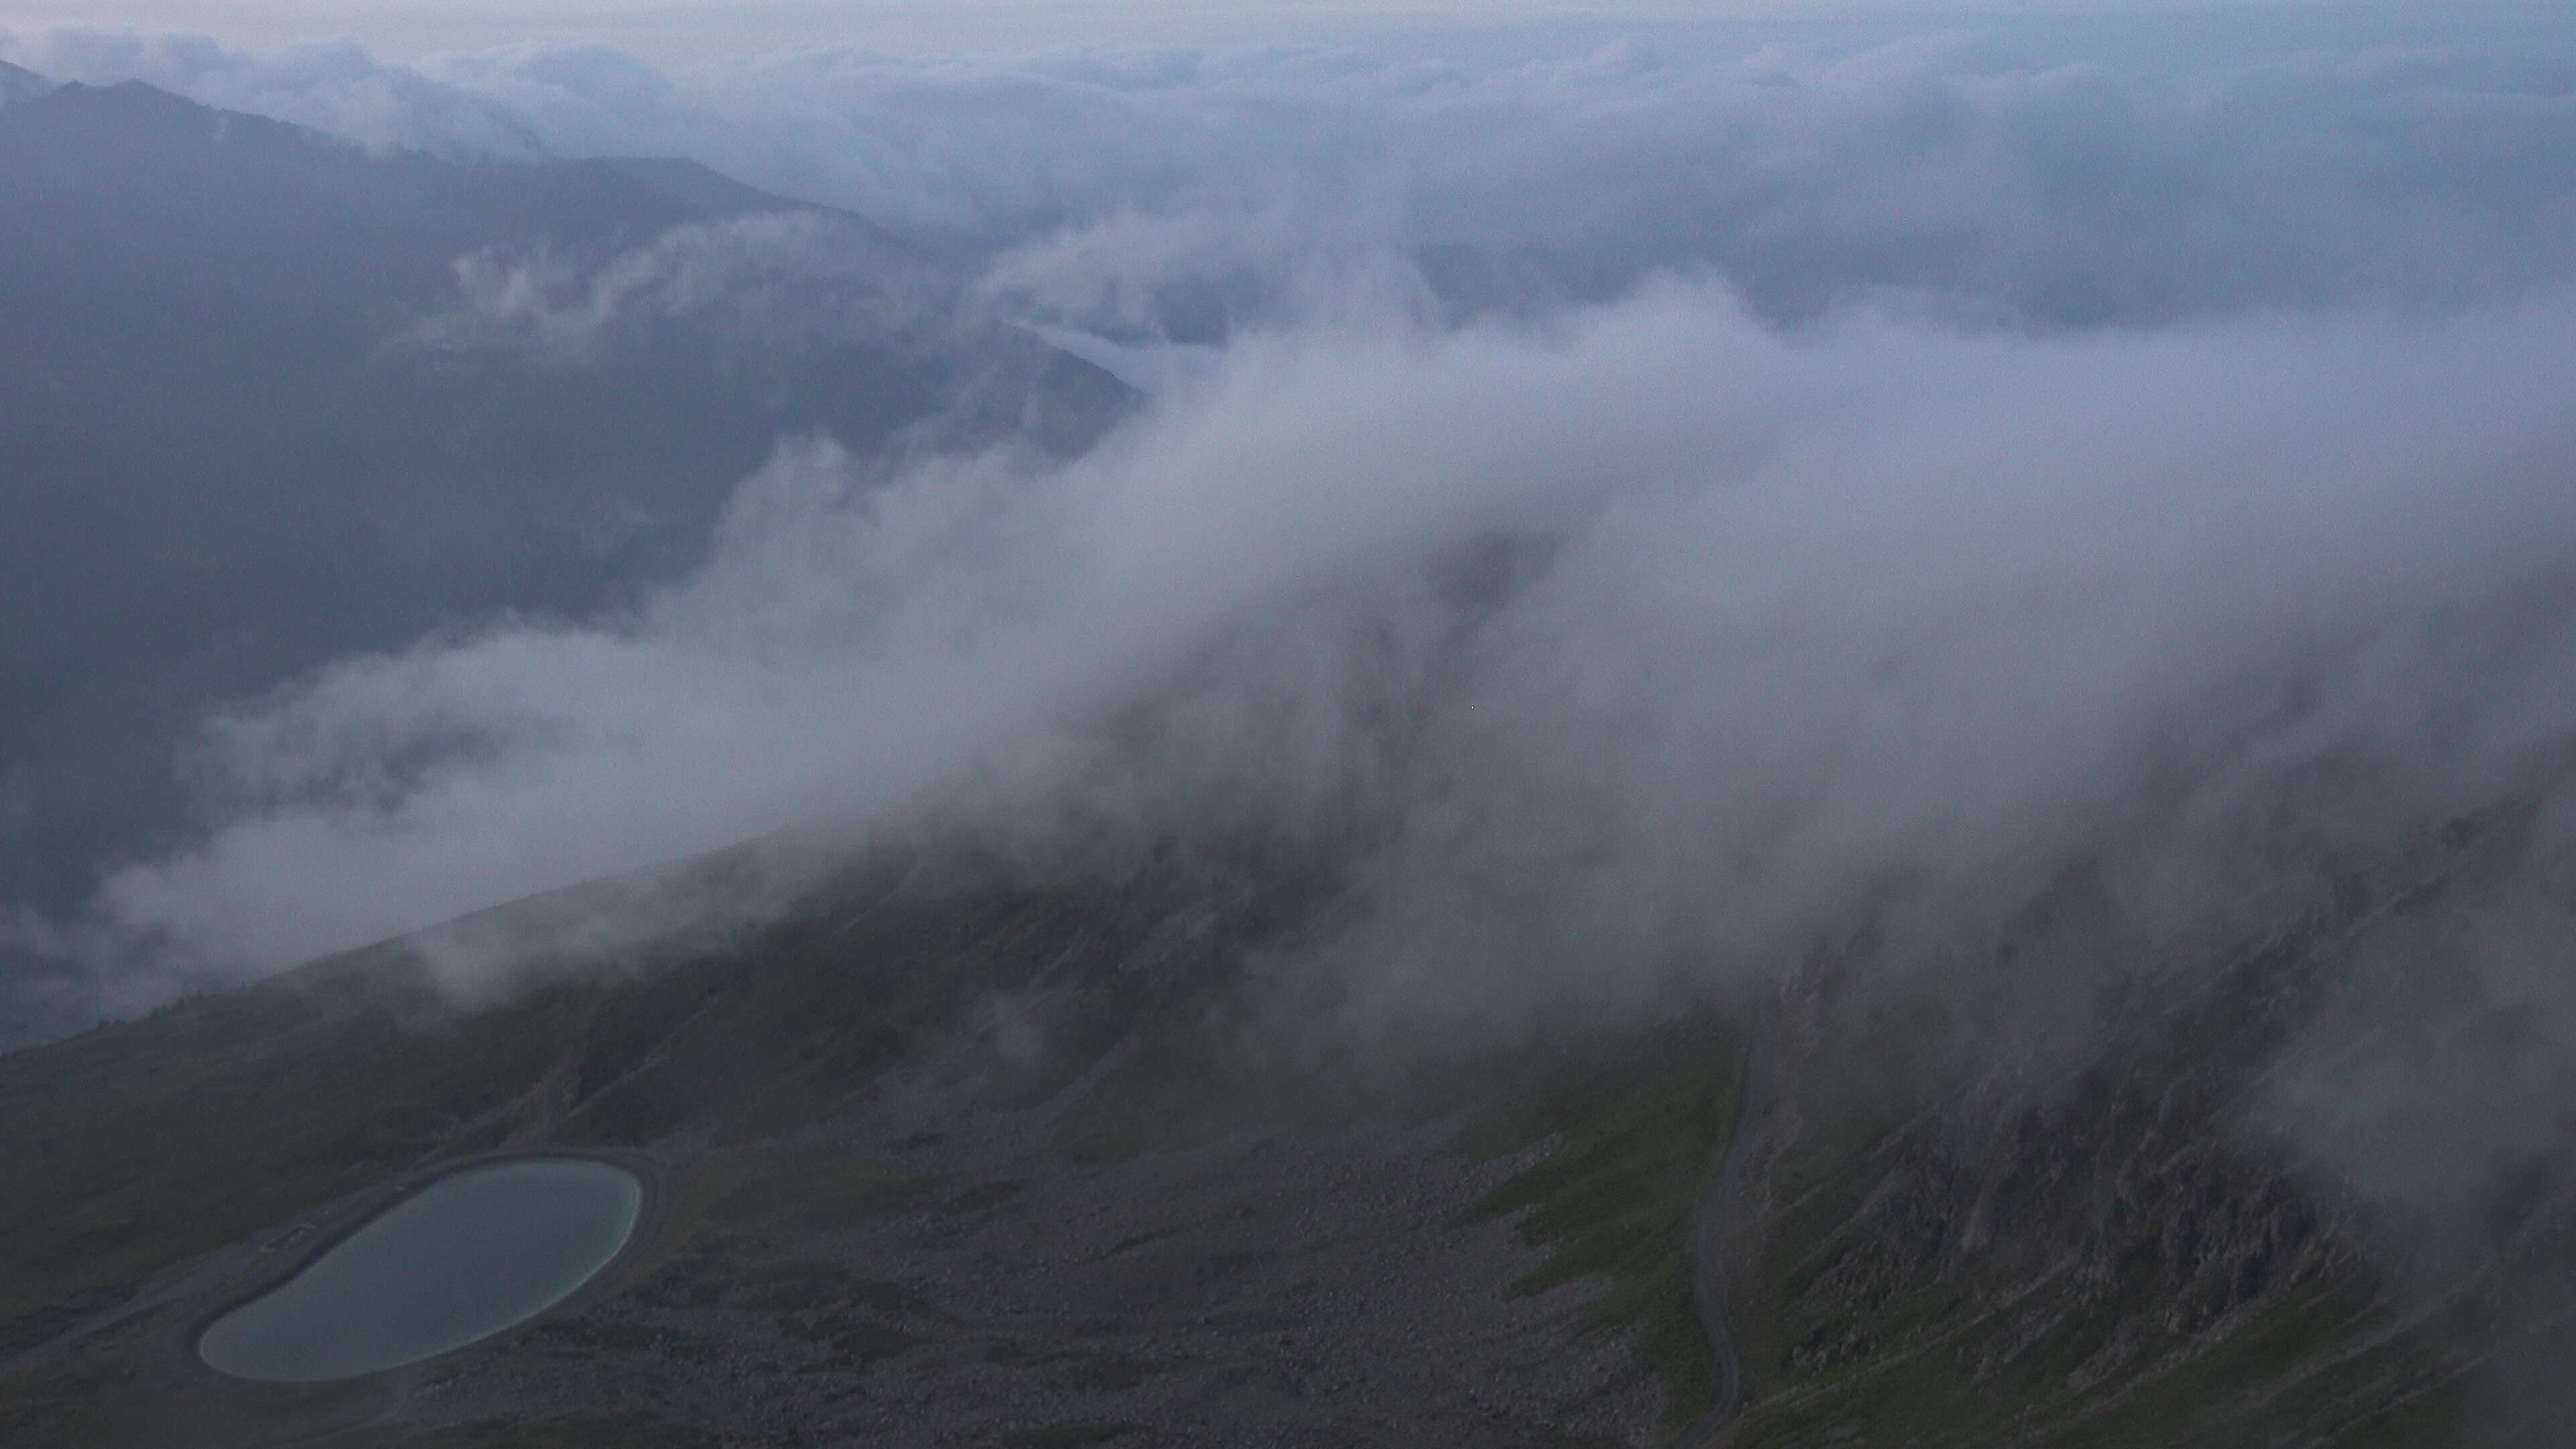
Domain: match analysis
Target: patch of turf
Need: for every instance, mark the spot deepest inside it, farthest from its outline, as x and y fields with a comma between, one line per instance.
x=249, y=1108
x=1638, y=1127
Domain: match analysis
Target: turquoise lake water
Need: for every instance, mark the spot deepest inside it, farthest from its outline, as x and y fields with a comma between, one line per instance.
x=466, y=1257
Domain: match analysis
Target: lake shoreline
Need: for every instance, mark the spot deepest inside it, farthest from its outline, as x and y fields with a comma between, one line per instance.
x=299, y=1245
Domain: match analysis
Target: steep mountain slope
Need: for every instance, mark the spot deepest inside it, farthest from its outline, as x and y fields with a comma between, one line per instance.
x=1952, y=1233
x=269, y=399
x=962, y=1152
x=951, y=1155
x=20, y=84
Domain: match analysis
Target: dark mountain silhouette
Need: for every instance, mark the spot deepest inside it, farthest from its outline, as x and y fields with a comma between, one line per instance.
x=20, y=84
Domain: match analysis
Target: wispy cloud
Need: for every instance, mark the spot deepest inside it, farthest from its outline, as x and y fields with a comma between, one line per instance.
x=764, y=279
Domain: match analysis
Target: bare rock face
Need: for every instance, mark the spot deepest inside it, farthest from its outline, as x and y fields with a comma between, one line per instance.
x=2135, y=1243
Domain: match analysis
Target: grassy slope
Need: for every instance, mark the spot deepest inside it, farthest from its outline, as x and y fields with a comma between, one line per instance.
x=1636, y=1127
x=133, y=1150
x=137, y=1147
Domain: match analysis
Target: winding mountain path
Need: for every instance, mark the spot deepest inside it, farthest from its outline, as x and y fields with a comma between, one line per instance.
x=1722, y=1211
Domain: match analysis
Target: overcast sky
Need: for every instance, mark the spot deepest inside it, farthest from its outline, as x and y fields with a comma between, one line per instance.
x=680, y=31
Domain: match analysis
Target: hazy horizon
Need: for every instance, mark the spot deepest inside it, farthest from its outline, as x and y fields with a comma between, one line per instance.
x=694, y=33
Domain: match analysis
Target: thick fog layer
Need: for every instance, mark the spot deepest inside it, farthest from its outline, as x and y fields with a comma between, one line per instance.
x=1708, y=634
x=1650, y=508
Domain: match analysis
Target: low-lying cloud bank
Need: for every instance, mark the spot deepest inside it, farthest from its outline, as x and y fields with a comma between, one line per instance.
x=1651, y=508
x=1647, y=635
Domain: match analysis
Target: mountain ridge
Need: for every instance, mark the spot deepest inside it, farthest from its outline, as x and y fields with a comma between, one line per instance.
x=275, y=426
x=17, y=83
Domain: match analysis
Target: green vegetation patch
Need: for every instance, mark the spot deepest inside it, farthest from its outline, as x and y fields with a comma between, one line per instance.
x=137, y=1147
x=1638, y=1127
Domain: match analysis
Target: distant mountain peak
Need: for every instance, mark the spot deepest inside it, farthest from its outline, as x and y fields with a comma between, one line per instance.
x=130, y=119
x=17, y=83
x=132, y=94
